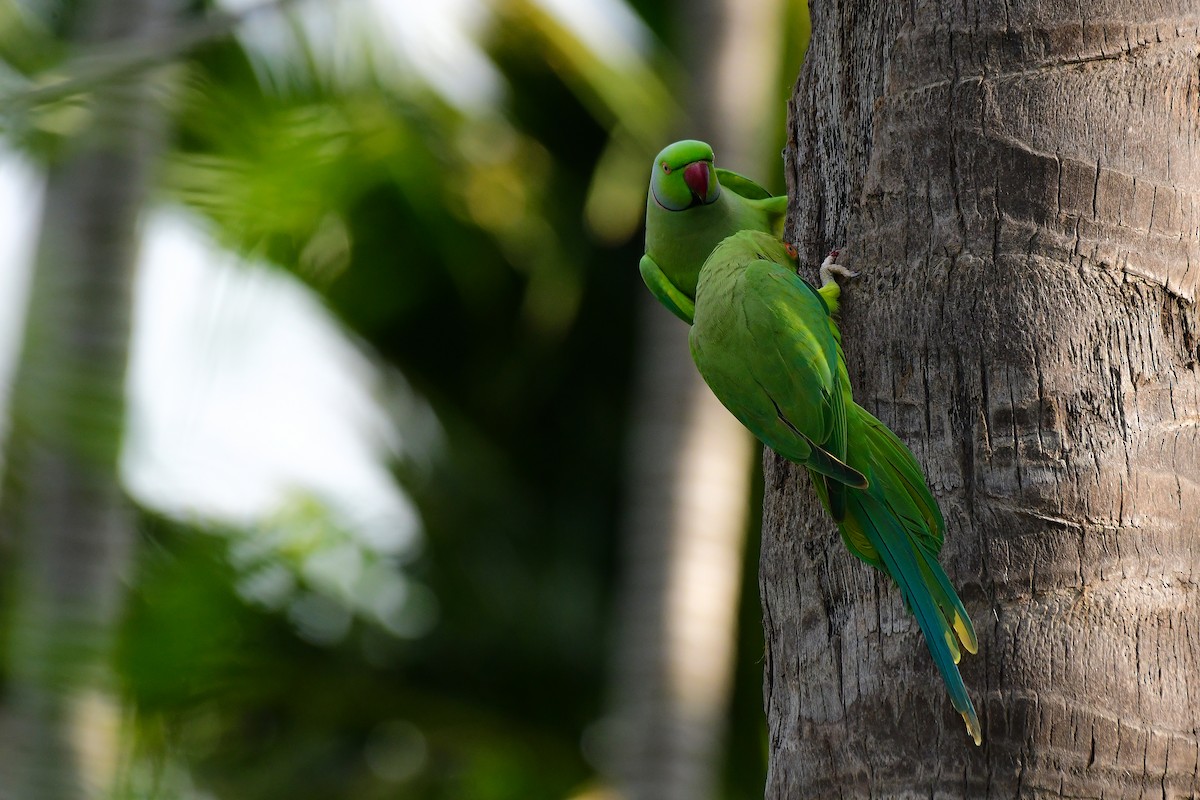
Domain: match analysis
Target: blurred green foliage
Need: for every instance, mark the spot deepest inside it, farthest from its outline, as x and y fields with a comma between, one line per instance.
x=454, y=246
x=488, y=256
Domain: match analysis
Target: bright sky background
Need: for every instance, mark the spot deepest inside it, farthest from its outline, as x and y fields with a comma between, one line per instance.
x=243, y=390
x=20, y=205
x=430, y=41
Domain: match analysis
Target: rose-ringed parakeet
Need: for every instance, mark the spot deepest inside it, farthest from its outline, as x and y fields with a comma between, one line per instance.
x=690, y=208
x=767, y=344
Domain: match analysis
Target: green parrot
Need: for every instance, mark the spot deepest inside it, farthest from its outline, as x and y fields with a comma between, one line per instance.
x=767, y=345
x=690, y=208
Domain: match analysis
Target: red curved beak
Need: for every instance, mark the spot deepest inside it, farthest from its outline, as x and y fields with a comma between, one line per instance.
x=696, y=176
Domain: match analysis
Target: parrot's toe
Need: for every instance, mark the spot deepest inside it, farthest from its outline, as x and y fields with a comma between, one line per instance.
x=830, y=267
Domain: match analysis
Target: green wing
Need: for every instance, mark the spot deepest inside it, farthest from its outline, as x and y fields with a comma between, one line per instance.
x=661, y=287
x=891, y=455
x=799, y=364
x=832, y=494
x=742, y=185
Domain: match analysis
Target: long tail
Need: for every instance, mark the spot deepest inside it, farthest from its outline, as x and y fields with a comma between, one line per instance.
x=895, y=525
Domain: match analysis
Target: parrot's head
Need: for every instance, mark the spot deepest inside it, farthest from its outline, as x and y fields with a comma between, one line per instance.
x=763, y=245
x=767, y=246
x=683, y=176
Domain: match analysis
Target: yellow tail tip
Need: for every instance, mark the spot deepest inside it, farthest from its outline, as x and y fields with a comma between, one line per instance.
x=973, y=727
x=952, y=644
x=965, y=635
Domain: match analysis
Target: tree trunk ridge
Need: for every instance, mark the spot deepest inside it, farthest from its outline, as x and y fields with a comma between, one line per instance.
x=1019, y=185
x=63, y=513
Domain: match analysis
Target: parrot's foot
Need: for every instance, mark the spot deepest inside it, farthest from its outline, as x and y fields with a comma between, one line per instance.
x=830, y=267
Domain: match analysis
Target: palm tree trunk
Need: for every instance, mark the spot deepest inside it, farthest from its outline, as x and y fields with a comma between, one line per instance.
x=1019, y=185
x=63, y=510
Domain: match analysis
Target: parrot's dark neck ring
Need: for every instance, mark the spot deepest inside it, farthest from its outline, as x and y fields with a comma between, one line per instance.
x=696, y=201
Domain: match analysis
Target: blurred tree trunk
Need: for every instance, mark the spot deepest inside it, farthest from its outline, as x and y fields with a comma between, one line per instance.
x=690, y=472
x=63, y=511
x=685, y=526
x=1019, y=184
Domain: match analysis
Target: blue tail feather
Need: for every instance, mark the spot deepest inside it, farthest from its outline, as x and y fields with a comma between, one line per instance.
x=926, y=591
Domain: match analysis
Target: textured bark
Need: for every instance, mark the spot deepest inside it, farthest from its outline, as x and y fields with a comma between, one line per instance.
x=1019, y=184
x=62, y=505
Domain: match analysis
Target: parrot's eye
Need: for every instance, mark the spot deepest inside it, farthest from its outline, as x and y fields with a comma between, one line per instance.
x=666, y=168
x=791, y=250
